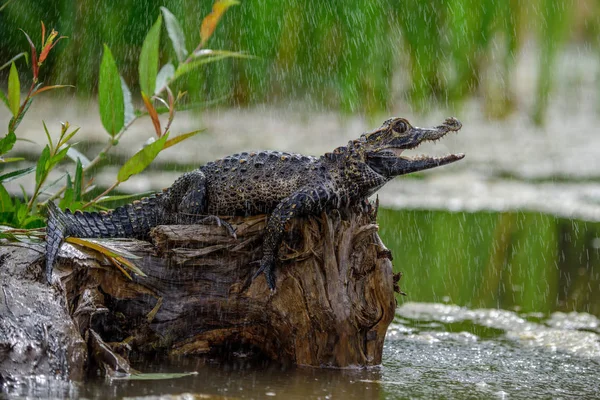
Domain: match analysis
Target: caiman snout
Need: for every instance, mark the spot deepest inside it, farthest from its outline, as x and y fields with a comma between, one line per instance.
x=450, y=124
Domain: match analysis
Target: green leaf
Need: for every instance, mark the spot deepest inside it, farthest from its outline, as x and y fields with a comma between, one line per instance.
x=166, y=73
x=181, y=138
x=129, y=110
x=14, y=122
x=110, y=94
x=7, y=142
x=47, y=134
x=10, y=176
x=141, y=159
x=78, y=186
x=67, y=198
x=148, y=67
x=10, y=159
x=14, y=90
x=42, y=165
x=6, y=202
x=58, y=157
x=122, y=197
x=205, y=57
x=175, y=34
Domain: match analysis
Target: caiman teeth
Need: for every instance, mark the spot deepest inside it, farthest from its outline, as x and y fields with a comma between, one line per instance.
x=422, y=157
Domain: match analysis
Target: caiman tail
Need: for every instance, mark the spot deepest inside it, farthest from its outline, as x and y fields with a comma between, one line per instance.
x=130, y=221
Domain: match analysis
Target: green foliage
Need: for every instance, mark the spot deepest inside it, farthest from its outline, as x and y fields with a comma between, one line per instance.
x=342, y=54
x=117, y=113
x=175, y=34
x=110, y=94
x=141, y=159
x=148, y=67
x=7, y=142
x=14, y=90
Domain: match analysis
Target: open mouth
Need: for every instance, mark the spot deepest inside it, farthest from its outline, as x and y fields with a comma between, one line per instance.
x=418, y=135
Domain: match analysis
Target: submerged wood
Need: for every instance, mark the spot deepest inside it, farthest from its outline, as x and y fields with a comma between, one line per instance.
x=333, y=303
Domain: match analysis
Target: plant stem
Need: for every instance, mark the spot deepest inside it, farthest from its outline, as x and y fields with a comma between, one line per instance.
x=99, y=157
x=107, y=191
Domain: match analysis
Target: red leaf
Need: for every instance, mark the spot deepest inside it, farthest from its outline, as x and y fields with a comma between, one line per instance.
x=45, y=88
x=43, y=32
x=153, y=114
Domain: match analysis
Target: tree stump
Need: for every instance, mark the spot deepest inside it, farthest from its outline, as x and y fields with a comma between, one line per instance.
x=333, y=303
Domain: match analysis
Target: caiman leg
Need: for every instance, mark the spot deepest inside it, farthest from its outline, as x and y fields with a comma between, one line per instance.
x=304, y=202
x=186, y=202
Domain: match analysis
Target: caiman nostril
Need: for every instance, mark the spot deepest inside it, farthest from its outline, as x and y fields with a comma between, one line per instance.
x=452, y=124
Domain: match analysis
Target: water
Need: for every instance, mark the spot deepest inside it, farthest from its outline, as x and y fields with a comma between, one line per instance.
x=432, y=350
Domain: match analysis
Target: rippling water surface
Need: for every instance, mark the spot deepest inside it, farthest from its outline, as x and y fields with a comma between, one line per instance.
x=432, y=351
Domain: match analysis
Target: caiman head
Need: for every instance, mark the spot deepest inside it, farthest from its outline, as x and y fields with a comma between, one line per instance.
x=382, y=148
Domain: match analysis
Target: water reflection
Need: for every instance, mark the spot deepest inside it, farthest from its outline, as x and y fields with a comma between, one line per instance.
x=520, y=261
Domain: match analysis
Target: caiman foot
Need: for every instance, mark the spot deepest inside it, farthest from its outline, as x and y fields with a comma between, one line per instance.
x=267, y=266
x=188, y=219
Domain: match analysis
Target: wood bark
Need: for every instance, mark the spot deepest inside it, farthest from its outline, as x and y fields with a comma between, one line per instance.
x=332, y=306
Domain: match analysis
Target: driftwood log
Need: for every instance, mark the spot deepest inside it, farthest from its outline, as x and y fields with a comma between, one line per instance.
x=333, y=303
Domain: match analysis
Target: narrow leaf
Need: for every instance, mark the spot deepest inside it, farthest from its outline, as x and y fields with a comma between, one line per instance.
x=110, y=94
x=15, y=121
x=42, y=165
x=7, y=142
x=6, y=202
x=153, y=114
x=34, y=60
x=43, y=32
x=163, y=77
x=175, y=34
x=47, y=134
x=141, y=159
x=10, y=159
x=14, y=90
x=46, y=88
x=67, y=198
x=181, y=138
x=122, y=197
x=148, y=66
x=104, y=247
x=129, y=110
x=107, y=251
x=50, y=185
x=77, y=187
x=211, y=20
x=58, y=157
x=15, y=58
x=68, y=136
x=10, y=176
x=5, y=4
x=214, y=56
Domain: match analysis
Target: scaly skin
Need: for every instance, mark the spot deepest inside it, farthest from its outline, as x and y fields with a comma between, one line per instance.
x=283, y=185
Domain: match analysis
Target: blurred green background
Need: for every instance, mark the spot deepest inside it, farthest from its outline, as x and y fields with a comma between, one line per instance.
x=338, y=54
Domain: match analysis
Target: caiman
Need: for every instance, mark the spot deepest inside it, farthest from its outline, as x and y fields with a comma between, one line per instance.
x=283, y=185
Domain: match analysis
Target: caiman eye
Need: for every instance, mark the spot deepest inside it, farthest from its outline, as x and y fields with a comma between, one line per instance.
x=400, y=126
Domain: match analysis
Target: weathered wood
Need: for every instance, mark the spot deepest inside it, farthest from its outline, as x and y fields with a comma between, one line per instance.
x=333, y=303
x=37, y=334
